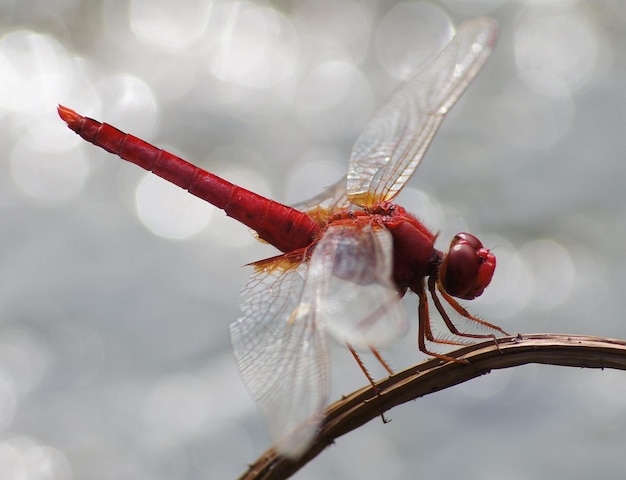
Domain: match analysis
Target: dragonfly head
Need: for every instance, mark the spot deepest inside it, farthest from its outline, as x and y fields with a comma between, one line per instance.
x=467, y=268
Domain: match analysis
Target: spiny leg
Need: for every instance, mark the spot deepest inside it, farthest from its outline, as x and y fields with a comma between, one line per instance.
x=424, y=331
x=369, y=377
x=428, y=334
x=459, y=309
x=446, y=318
x=381, y=360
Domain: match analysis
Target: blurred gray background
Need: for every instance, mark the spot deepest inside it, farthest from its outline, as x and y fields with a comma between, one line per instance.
x=116, y=290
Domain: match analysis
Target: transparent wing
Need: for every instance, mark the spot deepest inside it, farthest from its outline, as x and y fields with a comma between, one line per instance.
x=394, y=141
x=350, y=277
x=322, y=207
x=282, y=355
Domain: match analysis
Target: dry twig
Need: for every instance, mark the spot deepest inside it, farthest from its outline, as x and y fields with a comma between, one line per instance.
x=433, y=375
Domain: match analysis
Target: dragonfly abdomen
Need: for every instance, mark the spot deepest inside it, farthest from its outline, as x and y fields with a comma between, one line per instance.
x=284, y=227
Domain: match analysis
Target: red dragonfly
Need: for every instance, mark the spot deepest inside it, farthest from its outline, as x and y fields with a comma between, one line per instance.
x=349, y=254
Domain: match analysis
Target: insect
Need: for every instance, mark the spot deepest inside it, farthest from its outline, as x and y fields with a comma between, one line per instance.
x=349, y=254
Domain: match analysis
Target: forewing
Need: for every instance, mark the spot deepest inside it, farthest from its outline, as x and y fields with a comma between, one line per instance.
x=322, y=206
x=394, y=141
x=282, y=356
x=350, y=273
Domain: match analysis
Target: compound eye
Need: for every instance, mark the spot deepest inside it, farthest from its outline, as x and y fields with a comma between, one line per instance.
x=467, y=268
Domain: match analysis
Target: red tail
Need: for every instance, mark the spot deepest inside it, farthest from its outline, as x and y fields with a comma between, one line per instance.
x=284, y=227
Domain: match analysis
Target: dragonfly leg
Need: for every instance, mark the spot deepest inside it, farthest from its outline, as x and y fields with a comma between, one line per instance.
x=370, y=379
x=432, y=282
x=424, y=331
x=381, y=360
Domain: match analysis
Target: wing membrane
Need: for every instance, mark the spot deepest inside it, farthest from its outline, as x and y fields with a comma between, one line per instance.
x=322, y=206
x=394, y=141
x=350, y=277
x=282, y=356
x=280, y=341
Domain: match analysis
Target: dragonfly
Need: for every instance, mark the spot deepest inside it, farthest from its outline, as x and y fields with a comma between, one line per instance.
x=348, y=255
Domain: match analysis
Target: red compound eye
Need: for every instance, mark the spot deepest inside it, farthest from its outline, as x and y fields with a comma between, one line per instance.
x=467, y=268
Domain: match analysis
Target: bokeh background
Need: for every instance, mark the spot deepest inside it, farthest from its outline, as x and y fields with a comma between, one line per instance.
x=116, y=290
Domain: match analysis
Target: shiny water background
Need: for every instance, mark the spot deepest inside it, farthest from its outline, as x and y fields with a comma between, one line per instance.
x=116, y=289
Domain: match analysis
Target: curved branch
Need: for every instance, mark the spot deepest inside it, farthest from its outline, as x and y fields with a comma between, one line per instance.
x=433, y=375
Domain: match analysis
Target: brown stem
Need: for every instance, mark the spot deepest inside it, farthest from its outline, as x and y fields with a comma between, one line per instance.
x=433, y=375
